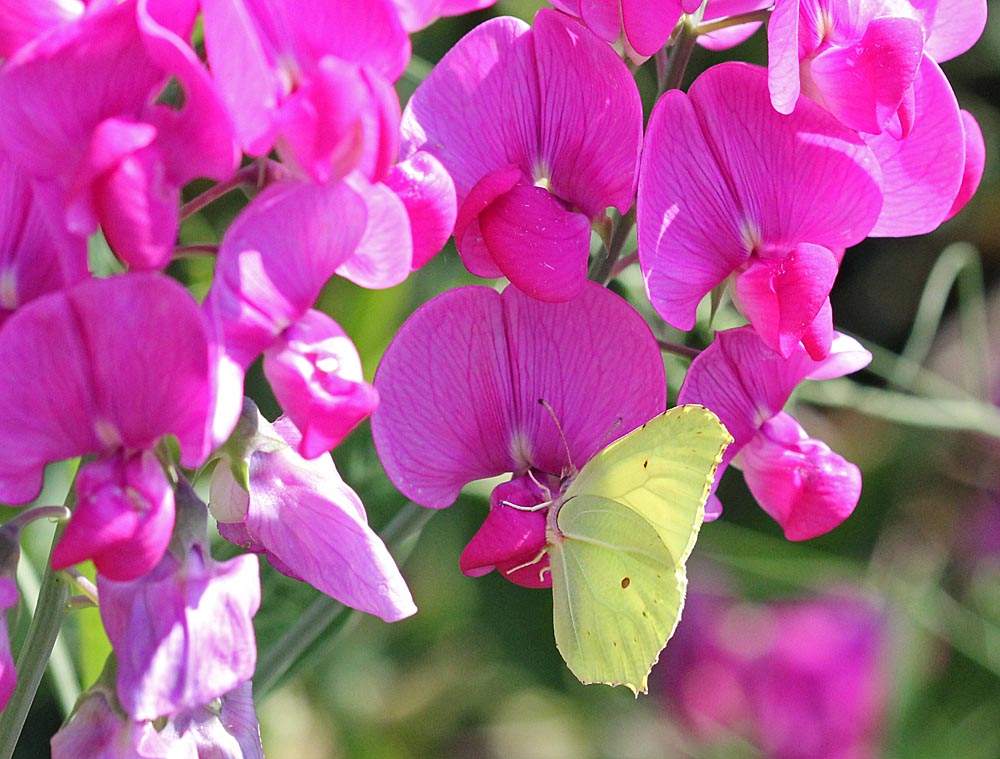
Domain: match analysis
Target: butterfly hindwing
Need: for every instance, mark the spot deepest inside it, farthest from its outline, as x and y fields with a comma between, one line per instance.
x=625, y=528
x=615, y=591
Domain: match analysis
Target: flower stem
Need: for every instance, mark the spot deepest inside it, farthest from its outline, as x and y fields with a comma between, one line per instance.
x=670, y=68
x=678, y=350
x=42, y=633
x=400, y=536
x=256, y=175
x=602, y=269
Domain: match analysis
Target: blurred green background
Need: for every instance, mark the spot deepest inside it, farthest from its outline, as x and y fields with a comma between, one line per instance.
x=475, y=674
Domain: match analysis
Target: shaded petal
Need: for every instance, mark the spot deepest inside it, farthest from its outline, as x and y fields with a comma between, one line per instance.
x=590, y=128
x=863, y=84
x=807, y=488
x=782, y=297
x=21, y=22
x=648, y=25
x=304, y=515
x=428, y=194
x=923, y=172
x=446, y=409
x=123, y=517
x=468, y=236
x=975, y=163
x=541, y=247
x=315, y=372
x=383, y=256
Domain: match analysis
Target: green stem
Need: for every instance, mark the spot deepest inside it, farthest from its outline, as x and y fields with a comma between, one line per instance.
x=31, y=663
x=256, y=175
x=749, y=17
x=670, y=74
x=400, y=536
x=603, y=267
x=678, y=350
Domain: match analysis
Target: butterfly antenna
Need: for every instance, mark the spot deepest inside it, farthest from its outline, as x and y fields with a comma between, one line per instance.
x=562, y=435
x=612, y=428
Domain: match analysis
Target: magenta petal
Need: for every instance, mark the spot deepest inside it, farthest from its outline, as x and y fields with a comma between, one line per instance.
x=783, y=55
x=383, y=256
x=315, y=372
x=602, y=17
x=782, y=297
x=513, y=532
x=864, y=84
x=590, y=118
x=541, y=247
x=923, y=172
x=975, y=163
x=428, y=194
x=687, y=221
x=560, y=355
x=446, y=409
x=846, y=356
x=952, y=26
x=468, y=236
x=267, y=278
x=477, y=109
x=83, y=374
x=21, y=22
x=807, y=488
x=183, y=634
x=648, y=25
x=123, y=518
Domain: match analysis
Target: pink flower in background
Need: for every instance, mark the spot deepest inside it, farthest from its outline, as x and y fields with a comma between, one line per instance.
x=479, y=383
x=109, y=367
x=136, y=118
x=227, y=729
x=312, y=80
x=310, y=524
x=807, y=488
x=36, y=254
x=770, y=205
x=540, y=130
x=798, y=679
x=642, y=26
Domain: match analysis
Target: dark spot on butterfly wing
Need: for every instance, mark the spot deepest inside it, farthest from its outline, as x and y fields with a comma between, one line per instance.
x=625, y=582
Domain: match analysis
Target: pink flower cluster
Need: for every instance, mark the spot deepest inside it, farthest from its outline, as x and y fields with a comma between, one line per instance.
x=517, y=144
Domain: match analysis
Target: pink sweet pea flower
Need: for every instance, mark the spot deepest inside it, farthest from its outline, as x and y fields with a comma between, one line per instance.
x=800, y=679
x=36, y=256
x=479, y=383
x=730, y=36
x=770, y=204
x=540, y=129
x=267, y=280
x=183, y=633
x=858, y=58
x=642, y=26
x=109, y=367
x=799, y=481
x=114, y=146
x=312, y=80
x=311, y=525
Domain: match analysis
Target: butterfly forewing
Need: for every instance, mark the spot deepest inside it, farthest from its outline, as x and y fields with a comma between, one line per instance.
x=662, y=471
x=616, y=592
